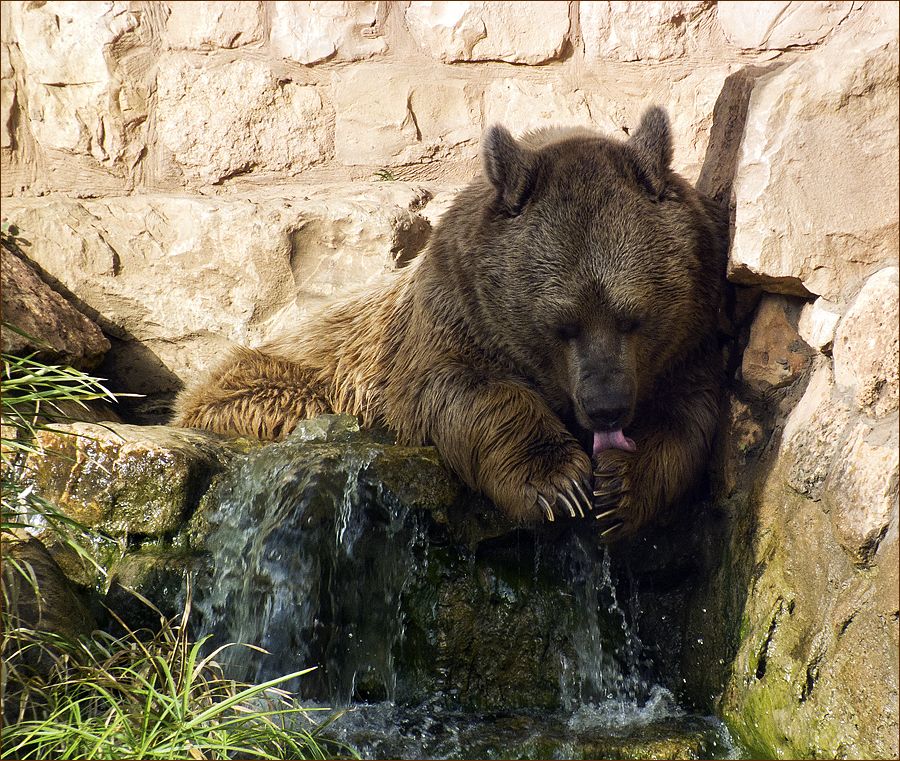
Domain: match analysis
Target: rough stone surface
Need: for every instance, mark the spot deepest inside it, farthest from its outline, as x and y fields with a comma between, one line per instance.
x=62, y=333
x=79, y=102
x=528, y=105
x=638, y=31
x=203, y=273
x=236, y=118
x=861, y=491
x=866, y=345
x=775, y=355
x=220, y=24
x=781, y=24
x=124, y=479
x=411, y=121
x=310, y=32
x=826, y=124
x=818, y=322
x=524, y=32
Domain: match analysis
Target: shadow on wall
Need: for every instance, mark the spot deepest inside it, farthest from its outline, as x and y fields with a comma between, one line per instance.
x=129, y=365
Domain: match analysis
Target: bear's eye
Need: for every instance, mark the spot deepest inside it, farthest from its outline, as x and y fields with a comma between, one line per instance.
x=628, y=324
x=568, y=331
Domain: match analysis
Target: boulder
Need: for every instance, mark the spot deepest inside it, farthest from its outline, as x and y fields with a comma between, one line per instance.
x=84, y=103
x=197, y=25
x=866, y=345
x=123, y=479
x=217, y=122
x=816, y=187
x=56, y=331
x=415, y=118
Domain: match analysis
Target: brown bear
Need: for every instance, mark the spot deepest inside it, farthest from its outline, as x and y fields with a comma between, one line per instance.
x=567, y=296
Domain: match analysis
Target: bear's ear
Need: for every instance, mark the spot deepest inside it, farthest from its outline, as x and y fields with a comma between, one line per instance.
x=508, y=167
x=651, y=146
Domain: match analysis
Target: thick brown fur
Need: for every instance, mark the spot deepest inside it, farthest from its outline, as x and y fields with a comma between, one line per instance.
x=571, y=289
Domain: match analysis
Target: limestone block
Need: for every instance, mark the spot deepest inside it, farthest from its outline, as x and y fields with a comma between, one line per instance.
x=522, y=32
x=221, y=121
x=640, y=31
x=775, y=356
x=866, y=345
x=178, y=280
x=814, y=432
x=69, y=52
x=123, y=479
x=818, y=322
x=862, y=490
x=62, y=333
x=781, y=24
x=525, y=105
x=310, y=32
x=224, y=24
x=413, y=119
x=816, y=187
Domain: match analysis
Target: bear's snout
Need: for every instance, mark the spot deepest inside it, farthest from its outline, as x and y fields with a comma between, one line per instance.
x=606, y=403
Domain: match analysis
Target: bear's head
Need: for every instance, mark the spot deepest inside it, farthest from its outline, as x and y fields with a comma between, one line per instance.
x=593, y=263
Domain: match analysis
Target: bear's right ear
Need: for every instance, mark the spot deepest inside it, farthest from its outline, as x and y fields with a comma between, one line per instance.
x=508, y=168
x=651, y=144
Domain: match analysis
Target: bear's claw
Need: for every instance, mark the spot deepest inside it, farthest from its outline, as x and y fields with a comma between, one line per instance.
x=615, y=527
x=567, y=503
x=547, y=509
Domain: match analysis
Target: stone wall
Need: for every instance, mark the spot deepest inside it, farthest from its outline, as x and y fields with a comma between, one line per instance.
x=197, y=174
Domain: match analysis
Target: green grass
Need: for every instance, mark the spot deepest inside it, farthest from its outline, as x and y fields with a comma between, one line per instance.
x=146, y=696
x=143, y=695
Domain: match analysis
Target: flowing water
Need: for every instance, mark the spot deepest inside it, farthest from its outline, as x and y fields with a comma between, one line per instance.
x=340, y=554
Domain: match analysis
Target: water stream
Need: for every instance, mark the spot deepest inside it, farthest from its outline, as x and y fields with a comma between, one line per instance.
x=339, y=553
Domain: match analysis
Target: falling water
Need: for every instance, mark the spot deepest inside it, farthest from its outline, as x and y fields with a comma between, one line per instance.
x=316, y=561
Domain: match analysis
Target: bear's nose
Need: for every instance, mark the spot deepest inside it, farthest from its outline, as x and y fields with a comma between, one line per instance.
x=607, y=418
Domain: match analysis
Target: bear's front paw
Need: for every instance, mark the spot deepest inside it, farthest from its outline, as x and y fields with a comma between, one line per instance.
x=560, y=488
x=567, y=496
x=617, y=505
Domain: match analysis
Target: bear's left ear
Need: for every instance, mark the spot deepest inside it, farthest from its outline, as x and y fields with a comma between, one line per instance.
x=651, y=146
x=508, y=167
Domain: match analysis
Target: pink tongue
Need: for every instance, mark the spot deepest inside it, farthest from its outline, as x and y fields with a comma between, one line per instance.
x=612, y=440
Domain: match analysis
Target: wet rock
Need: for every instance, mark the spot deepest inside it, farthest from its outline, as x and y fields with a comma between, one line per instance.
x=401, y=587
x=37, y=592
x=123, y=479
